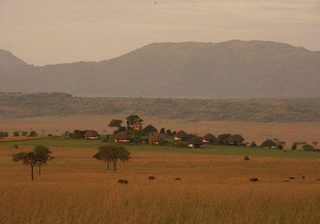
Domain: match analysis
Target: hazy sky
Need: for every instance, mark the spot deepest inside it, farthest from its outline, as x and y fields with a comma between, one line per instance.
x=54, y=31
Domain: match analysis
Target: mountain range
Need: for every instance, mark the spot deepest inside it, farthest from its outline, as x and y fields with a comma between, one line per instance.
x=232, y=69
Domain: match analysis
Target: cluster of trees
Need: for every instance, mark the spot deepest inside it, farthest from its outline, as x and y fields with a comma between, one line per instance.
x=31, y=105
x=112, y=154
x=4, y=134
x=32, y=133
x=80, y=134
x=40, y=155
x=302, y=145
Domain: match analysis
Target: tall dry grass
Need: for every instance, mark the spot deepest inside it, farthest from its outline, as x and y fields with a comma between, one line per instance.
x=77, y=189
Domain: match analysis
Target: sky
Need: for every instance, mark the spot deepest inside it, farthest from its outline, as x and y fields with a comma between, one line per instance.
x=59, y=31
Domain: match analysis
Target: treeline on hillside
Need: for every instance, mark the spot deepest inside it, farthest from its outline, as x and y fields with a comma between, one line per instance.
x=17, y=105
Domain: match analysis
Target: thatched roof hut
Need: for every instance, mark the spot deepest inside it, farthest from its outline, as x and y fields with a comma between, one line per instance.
x=121, y=138
x=194, y=142
x=269, y=144
x=181, y=136
x=150, y=129
x=91, y=135
x=155, y=140
x=236, y=139
x=209, y=138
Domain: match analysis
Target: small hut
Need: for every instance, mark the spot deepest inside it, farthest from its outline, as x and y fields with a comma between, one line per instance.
x=181, y=136
x=194, y=142
x=236, y=139
x=150, y=130
x=209, y=139
x=91, y=135
x=155, y=140
x=269, y=144
x=121, y=138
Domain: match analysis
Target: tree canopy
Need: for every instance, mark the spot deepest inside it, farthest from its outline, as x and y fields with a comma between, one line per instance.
x=39, y=156
x=112, y=154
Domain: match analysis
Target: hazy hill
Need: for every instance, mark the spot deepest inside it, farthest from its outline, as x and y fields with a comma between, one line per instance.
x=45, y=104
x=233, y=69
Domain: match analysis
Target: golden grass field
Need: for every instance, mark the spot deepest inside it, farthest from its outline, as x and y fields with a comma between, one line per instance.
x=75, y=188
x=252, y=131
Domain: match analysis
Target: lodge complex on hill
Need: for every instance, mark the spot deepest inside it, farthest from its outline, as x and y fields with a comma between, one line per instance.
x=134, y=132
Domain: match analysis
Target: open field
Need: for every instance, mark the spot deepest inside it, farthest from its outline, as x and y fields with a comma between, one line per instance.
x=214, y=186
x=252, y=131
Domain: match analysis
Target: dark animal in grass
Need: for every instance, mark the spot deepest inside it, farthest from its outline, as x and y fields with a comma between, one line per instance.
x=177, y=178
x=303, y=177
x=151, y=177
x=246, y=158
x=254, y=179
x=122, y=181
x=291, y=178
x=318, y=179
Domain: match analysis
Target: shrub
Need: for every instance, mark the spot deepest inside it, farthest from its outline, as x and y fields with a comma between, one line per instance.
x=223, y=139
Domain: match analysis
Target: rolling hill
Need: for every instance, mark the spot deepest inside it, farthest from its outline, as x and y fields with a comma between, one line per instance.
x=232, y=69
x=18, y=105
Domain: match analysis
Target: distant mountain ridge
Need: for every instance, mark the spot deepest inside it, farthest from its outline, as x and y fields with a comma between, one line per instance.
x=232, y=69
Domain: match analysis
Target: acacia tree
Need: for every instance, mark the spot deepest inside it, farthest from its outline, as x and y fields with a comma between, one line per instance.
x=43, y=155
x=112, y=154
x=40, y=155
x=28, y=159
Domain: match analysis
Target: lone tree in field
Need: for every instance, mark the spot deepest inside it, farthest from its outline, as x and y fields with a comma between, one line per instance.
x=43, y=155
x=28, y=159
x=112, y=154
x=39, y=156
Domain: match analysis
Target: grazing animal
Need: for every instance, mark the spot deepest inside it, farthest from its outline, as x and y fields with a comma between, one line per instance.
x=151, y=177
x=291, y=178
x=122, y=181
x=177, y=178
x=303, y=177
x=254, y=179
x=246, y=158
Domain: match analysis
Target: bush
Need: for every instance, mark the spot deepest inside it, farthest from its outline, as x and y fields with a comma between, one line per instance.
x=307, y=147
x=77, y=134
x=253, y=144
x=224, y=139
x=294, y=146
x=4, y=134
x=33, y=134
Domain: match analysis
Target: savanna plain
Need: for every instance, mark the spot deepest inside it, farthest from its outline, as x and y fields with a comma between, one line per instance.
x=214, y=185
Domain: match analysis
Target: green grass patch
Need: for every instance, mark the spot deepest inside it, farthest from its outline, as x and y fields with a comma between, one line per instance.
x=58, y=142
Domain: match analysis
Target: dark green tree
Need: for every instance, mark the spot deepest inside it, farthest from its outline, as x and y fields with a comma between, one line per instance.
x=78, y=134
x=43, y=155
x=307, y=147
x=112, y=154
x=223, y=139
x=162, y=131
x=33, y=134
x=133, y=119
